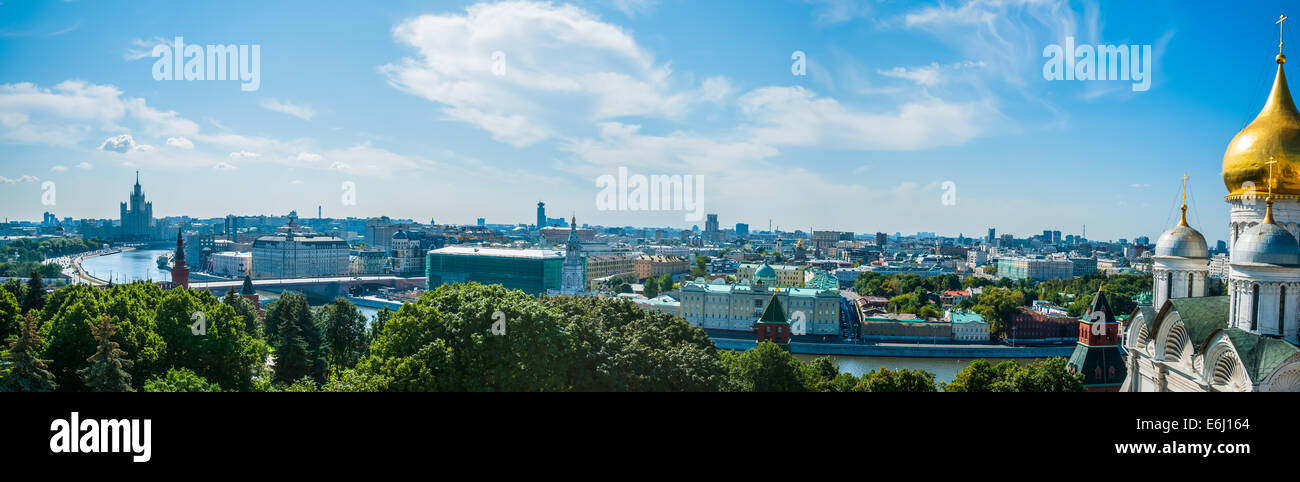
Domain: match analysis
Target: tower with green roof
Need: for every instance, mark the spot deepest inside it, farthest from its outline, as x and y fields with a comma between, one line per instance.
x=1097, y=355
x=772, y=326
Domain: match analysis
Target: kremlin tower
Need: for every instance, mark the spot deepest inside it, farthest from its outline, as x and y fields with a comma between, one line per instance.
x=180, y=273
x=1097, y=356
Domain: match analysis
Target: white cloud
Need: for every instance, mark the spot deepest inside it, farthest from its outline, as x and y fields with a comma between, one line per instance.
x=141, y=48
x=180, y=142
x=84, y=165
x=122, y=144
x=926, y=75
x=23, y=178
x=224, y=166
x=1009, y=35
x=58, y=169
x=286, y=107
x=557, y=63
x=364, y=160
x=796, y=116
x=296, y=182
x=67, y=113
x=243, y=154
x=678, y=152
x=306, y=156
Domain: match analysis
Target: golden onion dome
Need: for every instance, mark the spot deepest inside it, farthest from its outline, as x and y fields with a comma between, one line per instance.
x=1273, y=135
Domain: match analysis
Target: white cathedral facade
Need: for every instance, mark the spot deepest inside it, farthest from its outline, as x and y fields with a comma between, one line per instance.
x=1245, y=341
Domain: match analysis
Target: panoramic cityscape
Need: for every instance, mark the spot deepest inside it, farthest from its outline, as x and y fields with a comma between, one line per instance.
x=727, y=197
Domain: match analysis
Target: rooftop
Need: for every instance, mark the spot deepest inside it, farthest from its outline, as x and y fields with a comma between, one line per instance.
x=499, y=252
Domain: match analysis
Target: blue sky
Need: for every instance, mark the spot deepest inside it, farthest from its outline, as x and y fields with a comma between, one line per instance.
x=400, y=99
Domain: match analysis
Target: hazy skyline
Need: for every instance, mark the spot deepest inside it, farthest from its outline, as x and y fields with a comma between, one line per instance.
x=459, y=110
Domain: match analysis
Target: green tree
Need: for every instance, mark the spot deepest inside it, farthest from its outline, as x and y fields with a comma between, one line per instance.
x=245, y=308
x=293, y=307
x=1049, y=375
x=68, y=338
x=979, y=376
x=16, y=288
x=35, y=293
x=377, y=325
x=998, y=306
x=665, y=282
x=353, y=381
x=106, y=372
x=10, y=315
x=901, y=380
x=444, y=342
x=27, y=373
x=765, y=368
x=180, y=380
x=650, y=288
x=822, y=374
x=344, y=334
x=225, y=354
x=618, y=346
x=292, y=361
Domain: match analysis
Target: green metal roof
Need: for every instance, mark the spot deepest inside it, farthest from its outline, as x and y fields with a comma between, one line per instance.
x=1202, y=316
x=967, y=318
x=823, y=281
x=1260, y=355
x=773, y=314
x=1100, y=365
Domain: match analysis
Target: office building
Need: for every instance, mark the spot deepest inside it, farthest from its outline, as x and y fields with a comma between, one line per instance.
x=742, y=230
x=533, y=271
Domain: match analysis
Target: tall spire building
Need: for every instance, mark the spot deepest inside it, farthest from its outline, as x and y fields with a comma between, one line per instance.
x=573, y=276
x=137, y=215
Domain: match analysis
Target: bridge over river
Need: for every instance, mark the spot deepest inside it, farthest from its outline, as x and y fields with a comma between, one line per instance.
x=317, y=287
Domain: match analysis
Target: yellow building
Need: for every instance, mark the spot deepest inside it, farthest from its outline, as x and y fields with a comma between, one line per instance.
x=786, y=275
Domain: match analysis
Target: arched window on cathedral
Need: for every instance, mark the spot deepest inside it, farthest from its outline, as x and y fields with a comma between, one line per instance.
x=1189, y=285
x=1254, y=308
x=1169, y=286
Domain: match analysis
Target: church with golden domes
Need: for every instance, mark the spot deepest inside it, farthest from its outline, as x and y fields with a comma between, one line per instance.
x=1245, y=341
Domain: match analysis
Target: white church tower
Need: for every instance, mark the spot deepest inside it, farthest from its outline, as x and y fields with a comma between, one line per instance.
x=1264, y=279
x=573, y=274
x=1181, y=261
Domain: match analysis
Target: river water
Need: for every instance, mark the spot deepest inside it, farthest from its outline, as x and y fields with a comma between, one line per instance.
x=127, y=266
x=944, y=369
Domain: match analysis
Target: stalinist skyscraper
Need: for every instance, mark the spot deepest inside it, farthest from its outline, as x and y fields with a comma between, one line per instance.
x=137, y=217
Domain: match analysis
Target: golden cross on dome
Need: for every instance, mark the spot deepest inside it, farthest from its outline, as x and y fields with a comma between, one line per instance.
x=1280, y=19
x=1185, y=188
x=1270, y=163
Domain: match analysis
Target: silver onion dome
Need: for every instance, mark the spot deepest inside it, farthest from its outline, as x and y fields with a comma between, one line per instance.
x=1266, y=243
x=1182, y=241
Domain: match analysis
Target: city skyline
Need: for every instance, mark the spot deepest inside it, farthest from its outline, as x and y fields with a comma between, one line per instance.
x=137, y=198
x=424, y=127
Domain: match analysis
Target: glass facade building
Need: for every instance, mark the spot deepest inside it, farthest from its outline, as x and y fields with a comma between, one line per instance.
x=532, y=271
